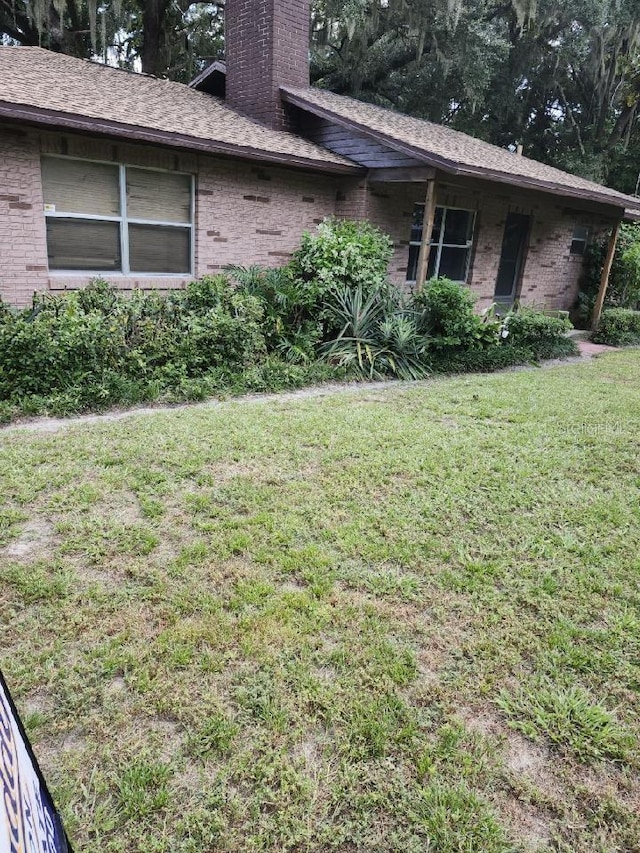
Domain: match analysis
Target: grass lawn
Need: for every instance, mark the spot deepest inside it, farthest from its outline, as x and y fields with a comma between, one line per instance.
x=405, y=619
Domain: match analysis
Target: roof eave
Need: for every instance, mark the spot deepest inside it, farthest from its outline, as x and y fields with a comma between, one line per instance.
x=38, y=116
x=451, y=166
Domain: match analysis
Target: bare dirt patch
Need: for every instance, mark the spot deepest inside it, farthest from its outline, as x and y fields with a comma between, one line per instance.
x=169, y=737
x=122, y=507
x=116, y=687
x=35, y=541
x=38, y=702
x=528, y=825
x=482, y=721
x=523, y=756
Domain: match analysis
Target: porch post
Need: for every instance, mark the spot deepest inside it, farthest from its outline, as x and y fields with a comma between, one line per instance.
x=604, y=278
x=427, y=228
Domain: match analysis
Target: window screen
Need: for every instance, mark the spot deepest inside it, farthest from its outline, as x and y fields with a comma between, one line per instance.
x=158, y=196
x=579, y=240
x=159, y=249
x=451, y=241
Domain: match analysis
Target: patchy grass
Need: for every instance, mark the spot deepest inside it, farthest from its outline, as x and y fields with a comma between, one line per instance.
x=405, y=619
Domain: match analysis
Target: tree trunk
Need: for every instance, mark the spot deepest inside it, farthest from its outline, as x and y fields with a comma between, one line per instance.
x=153, y=37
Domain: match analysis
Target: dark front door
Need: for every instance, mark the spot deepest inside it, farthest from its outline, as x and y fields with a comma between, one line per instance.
x=516, y=231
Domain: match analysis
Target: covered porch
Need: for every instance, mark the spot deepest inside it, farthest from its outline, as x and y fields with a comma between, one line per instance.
x=506, y=244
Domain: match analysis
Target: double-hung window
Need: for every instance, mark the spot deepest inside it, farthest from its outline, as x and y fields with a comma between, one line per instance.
x=106, y=217
x=451, y=242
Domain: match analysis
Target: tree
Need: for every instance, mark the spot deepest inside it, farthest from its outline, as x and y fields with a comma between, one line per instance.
x=162, y=37
x=563, y=79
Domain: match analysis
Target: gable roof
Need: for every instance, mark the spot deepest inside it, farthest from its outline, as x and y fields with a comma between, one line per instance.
x=450, y=150
x=212, y=79
x=42, y=87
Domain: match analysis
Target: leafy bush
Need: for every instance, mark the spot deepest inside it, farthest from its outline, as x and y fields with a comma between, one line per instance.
x=341, y=254
x=377, y=337
x=479, y=360
x=298, y=299
x=291, y=322
x=329, y=314
x=623, y=290
x=97, y=346
x=618, y=327
x=445, y=313
x=527, y=327
x=44, y=349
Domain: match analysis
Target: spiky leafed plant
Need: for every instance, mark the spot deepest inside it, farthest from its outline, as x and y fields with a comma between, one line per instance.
x=378, y=336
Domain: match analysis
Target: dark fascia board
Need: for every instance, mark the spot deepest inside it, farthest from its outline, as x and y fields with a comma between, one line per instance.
x=38, y=116
x=401, y=174
x=451, y=166
x=632, y=214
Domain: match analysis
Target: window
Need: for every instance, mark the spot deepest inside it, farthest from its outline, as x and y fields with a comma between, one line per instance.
x=451, y=241
x=579, y=240
x=104, y=217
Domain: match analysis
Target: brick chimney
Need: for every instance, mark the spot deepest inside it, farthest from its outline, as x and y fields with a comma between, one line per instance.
x=266, y=46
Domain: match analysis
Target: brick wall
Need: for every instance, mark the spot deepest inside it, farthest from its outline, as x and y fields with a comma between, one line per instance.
x=245, y=214
x=254, y=215
x=23, y=251
x=266, y=46
x=250, y=214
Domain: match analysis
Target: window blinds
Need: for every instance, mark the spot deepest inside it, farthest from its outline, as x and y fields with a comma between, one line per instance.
x=78, y=186
x=159, y=249
x=83, y=244
x=158, y=196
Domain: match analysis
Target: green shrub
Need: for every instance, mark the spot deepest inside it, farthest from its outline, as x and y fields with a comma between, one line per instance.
x=479, y=360
x=623, y=290
x=527, y=327
x=45, y=350
x=559, y=348
x=291, y=323
x=377, y=336
x=97, y=347
x=299, y=299
x=274, y=374
x=445, y=313
x=228, y=334
x=341, y=254
x=618, y=327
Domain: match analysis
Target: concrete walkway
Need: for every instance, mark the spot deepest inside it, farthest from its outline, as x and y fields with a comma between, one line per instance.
x=589, y=349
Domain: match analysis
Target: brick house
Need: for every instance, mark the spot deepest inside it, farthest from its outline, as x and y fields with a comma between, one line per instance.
x=149, y=183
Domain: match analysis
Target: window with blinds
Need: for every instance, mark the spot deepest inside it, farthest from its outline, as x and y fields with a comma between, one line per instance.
x=104, y=217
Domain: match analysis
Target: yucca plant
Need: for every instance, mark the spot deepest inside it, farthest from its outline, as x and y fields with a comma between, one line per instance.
x=377, y=337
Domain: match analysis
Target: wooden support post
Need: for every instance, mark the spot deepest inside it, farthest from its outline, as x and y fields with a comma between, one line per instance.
x=604, y=278
x=427, y=228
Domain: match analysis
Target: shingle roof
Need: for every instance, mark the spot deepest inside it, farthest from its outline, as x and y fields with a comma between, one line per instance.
x=41, y=86
x=448, y=149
